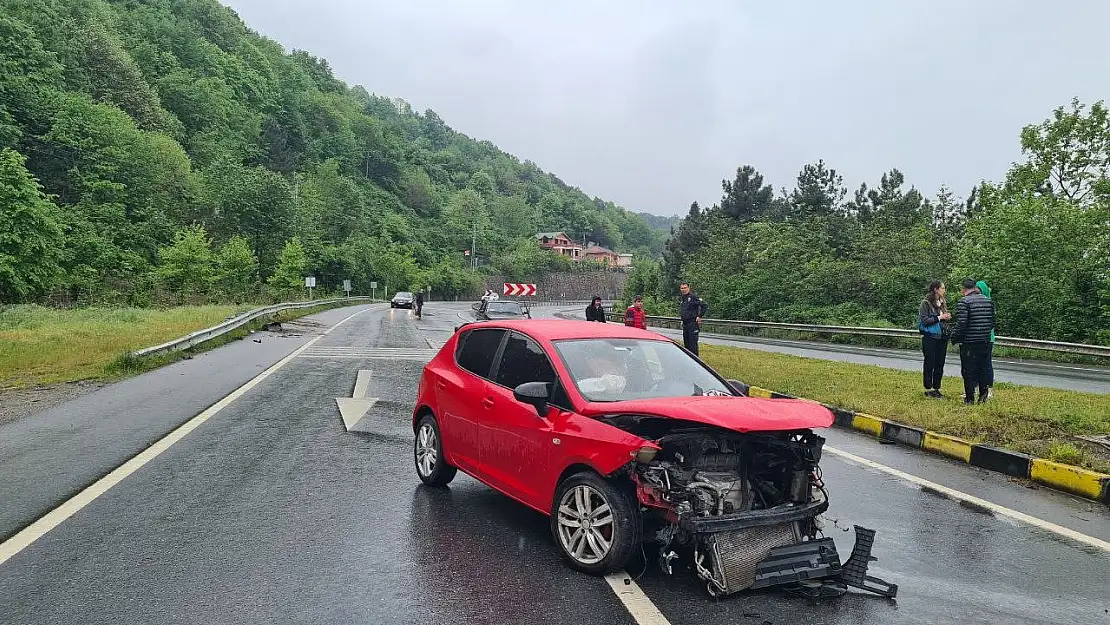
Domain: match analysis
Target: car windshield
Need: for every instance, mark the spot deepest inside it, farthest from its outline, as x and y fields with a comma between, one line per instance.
x=504, y=308
x=404, y=294
x=606, y=370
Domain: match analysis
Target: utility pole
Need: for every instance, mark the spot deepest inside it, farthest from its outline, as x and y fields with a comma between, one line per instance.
x=474, y=244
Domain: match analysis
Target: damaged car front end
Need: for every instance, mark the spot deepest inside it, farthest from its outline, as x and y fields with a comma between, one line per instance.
x=741, y=508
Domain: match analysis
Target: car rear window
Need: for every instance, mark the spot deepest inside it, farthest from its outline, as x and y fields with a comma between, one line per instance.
x=477, y=350
x=505, y=308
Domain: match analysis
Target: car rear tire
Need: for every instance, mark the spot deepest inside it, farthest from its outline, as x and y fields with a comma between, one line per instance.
x=431, y=466
x=596, y=524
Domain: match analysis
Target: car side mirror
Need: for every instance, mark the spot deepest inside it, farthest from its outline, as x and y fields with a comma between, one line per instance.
x=535, y=394
x=739, y=387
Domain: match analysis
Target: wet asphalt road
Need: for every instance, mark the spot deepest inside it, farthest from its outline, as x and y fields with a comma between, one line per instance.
x=272, y=513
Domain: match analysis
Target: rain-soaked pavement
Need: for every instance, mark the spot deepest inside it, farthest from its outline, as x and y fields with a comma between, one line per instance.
x=270, y=512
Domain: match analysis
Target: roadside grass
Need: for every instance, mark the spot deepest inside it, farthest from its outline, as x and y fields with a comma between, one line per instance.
x=45, y=346
x=126, y=365
x=40, y=346
x=1039, y=421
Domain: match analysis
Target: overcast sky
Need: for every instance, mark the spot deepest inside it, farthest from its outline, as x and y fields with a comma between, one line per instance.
x=650, y=103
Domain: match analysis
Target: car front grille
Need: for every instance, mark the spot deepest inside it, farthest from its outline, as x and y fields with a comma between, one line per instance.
x=734, y=555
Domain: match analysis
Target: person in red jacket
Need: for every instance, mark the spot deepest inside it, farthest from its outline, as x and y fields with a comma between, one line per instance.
x=635, y=315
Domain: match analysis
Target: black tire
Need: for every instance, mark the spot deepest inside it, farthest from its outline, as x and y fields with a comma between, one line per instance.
x=625, y=531
x=436, y=472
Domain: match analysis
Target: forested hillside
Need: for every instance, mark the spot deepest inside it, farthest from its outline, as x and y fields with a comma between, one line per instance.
x=161, y=147
x=819, y=254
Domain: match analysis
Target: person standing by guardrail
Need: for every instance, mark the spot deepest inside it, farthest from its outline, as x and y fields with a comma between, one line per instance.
x=635, y=316
x=974, y=324
x=595, y=311
x=691, y=310
x=932, y=322
x=986, y=291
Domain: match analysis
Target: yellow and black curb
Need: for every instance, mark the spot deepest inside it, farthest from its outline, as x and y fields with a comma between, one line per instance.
x=1078, y=481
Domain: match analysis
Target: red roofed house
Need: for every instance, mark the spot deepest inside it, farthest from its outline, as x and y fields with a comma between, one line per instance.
x=602, y=255
x=560, y=243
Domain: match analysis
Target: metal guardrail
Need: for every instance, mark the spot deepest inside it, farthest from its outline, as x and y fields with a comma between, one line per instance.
x=1003, y=341
x=200, y=336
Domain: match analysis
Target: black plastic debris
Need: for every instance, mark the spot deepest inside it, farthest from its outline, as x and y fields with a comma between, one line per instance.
x=795, y=563
x=818, y=561
x=855, y=569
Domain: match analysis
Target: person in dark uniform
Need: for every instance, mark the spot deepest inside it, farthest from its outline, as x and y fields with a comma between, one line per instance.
x=419, y=302
x=595, y=311
x=691, y=310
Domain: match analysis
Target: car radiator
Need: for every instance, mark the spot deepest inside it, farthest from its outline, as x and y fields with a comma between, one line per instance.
x=734, y=555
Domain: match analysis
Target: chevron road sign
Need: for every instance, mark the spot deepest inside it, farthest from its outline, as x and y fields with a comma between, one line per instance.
x=516, y=289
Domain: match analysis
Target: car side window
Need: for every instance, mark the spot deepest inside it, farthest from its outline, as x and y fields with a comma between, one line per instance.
x=478, y=350
x=523, y=360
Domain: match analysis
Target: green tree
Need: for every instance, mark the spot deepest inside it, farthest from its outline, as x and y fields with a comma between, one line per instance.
x=288, y=276
x=237, y=269
x=464, y=218
x=1068, y=155
x=1045, y=263
x=186, y=266
x=30, y=233
x=252, y=202
x=115, y=78
x=746, y=197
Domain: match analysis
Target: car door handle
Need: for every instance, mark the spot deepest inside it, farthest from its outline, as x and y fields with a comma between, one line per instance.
x=487, y=402
x=441, y=384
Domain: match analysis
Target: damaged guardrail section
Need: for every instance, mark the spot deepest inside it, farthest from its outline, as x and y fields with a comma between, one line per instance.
x=1075, y=480
x=201, y=336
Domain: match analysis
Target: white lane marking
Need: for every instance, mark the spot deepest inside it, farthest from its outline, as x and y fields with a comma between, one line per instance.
x=961, y=496
x=73, y=505
x=641, y=608
x=362, y=383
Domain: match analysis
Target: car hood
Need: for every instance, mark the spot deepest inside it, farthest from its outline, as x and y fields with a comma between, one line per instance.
x=741, y=414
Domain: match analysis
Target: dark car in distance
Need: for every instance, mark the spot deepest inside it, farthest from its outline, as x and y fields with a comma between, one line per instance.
x=402, y=299
x=489, y=310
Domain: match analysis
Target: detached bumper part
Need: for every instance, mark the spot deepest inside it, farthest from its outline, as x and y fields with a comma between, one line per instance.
x=797, y=563
x=818, y=559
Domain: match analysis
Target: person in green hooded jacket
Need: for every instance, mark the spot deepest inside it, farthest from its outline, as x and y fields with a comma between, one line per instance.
x=986, y=291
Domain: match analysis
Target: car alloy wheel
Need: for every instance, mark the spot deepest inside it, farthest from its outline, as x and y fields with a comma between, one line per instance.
x=585, y=524
x=431, y=466
x=596, y=523
x=427, y=450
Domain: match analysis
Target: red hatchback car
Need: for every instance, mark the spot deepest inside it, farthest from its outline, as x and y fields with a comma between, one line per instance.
x=623, y=437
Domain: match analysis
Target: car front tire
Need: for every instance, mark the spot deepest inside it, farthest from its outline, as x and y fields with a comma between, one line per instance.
x=431, y=466
x=595, y=523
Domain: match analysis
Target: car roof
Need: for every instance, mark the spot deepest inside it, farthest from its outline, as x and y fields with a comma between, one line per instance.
x=562, y=329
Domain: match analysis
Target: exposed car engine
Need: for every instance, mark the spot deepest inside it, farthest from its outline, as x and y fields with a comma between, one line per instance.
x=725, y=501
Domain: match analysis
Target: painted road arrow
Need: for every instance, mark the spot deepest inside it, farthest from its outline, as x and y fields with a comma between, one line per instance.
x=355, y=407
